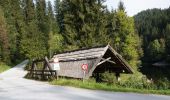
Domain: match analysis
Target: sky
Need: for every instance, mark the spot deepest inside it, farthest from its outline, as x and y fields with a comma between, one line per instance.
x=135, y=6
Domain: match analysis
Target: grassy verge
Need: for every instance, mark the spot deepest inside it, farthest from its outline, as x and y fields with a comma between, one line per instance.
x=3, y=67
x=103, y=86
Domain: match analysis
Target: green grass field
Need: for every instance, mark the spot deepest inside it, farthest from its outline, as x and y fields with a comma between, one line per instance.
x=3, y=67
x=103, y=86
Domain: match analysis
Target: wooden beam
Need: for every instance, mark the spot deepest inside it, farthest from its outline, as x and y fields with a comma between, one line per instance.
x=103, y=61
x=109, y=61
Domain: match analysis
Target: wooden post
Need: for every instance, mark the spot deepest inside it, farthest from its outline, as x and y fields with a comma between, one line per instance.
x=57, y=74
x=118, y=77
x=97, y=77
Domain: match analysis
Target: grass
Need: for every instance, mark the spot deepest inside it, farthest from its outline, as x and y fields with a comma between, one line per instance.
x=3, y=67
x=103, y=86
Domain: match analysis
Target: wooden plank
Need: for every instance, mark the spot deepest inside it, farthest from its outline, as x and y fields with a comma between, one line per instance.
x=48, y=65
x=109, y=61
x=41, y=70
x=103, y=61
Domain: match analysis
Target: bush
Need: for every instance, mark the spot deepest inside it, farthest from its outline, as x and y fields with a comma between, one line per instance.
x=138, y=83
x=163, y=84
x=3, y=67
x=110, y=78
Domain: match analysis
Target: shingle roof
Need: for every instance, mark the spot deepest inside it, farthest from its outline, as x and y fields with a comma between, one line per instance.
x=82, y=54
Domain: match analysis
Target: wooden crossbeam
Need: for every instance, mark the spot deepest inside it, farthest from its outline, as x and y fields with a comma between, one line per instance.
x=103, y=61
x=109, y=60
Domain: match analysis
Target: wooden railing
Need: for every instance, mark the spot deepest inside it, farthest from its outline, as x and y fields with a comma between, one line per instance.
x=45, y=73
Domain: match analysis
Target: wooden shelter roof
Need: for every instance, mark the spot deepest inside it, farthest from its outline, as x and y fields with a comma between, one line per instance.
x=96, y=53
x=81, y=54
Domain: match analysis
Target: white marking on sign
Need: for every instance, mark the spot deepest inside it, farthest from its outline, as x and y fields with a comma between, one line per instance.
x=84, y=67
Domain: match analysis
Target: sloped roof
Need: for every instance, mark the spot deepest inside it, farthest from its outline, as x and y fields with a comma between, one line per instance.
x=82, y=54
x=93, y=53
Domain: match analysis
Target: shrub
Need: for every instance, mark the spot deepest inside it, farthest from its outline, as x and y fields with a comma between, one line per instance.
x=110, y=78
x=163, y=84
x=138, y=83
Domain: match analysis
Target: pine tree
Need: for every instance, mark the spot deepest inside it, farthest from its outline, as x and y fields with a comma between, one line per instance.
x=32, y=43
x=84, y=23
x=18, y=24
x=14, y=17
x=167, y=39
x=42, y=19
x=121, y=6
x=55, y=38
x=51, y=18
x=4, y=43
x=155, y=50
x=59, y=15
x=126, y=41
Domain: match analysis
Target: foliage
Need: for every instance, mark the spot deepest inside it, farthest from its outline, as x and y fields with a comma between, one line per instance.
x=4, y=43
x=163, y=84
x=110, y=78
x=82, y=23
x=155, y=50
x=167, y=41
x=3, y=67
x=55, y=43
x=33, y=44
x=91, y=84
x=125, y=40
x=152, y=26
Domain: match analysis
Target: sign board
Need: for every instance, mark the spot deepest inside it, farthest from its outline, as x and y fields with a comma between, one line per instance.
x=55, y=65
x=84, y=67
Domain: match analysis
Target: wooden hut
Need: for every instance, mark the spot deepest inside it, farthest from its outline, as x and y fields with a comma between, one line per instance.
x=98, y=59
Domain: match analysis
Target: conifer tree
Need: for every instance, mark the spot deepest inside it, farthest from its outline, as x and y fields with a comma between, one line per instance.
x=4, y=43
x=127, y=42
x=55, y=38
x=32, y=43
x=42, y=19
x=14, y=17
x=82, y=23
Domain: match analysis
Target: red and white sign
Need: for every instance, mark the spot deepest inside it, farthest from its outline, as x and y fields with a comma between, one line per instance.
x=84, y=67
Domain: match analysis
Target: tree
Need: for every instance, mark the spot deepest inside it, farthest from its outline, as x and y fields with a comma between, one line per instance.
x=51, y=19
x=121, y=6
x=42, y=19
x=125, y=40
x=151, y=25
x=55, y=39
x=59, y=17
x=55, y=43
x=167, y=39
x=84, y=24
x=14, y=16
x=4, y=42
x=32, y=43
x=155, y=50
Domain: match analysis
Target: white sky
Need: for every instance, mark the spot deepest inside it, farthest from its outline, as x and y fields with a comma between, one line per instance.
x=135, y=6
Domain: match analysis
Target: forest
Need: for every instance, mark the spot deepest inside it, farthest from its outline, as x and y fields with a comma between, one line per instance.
x=32, y=29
